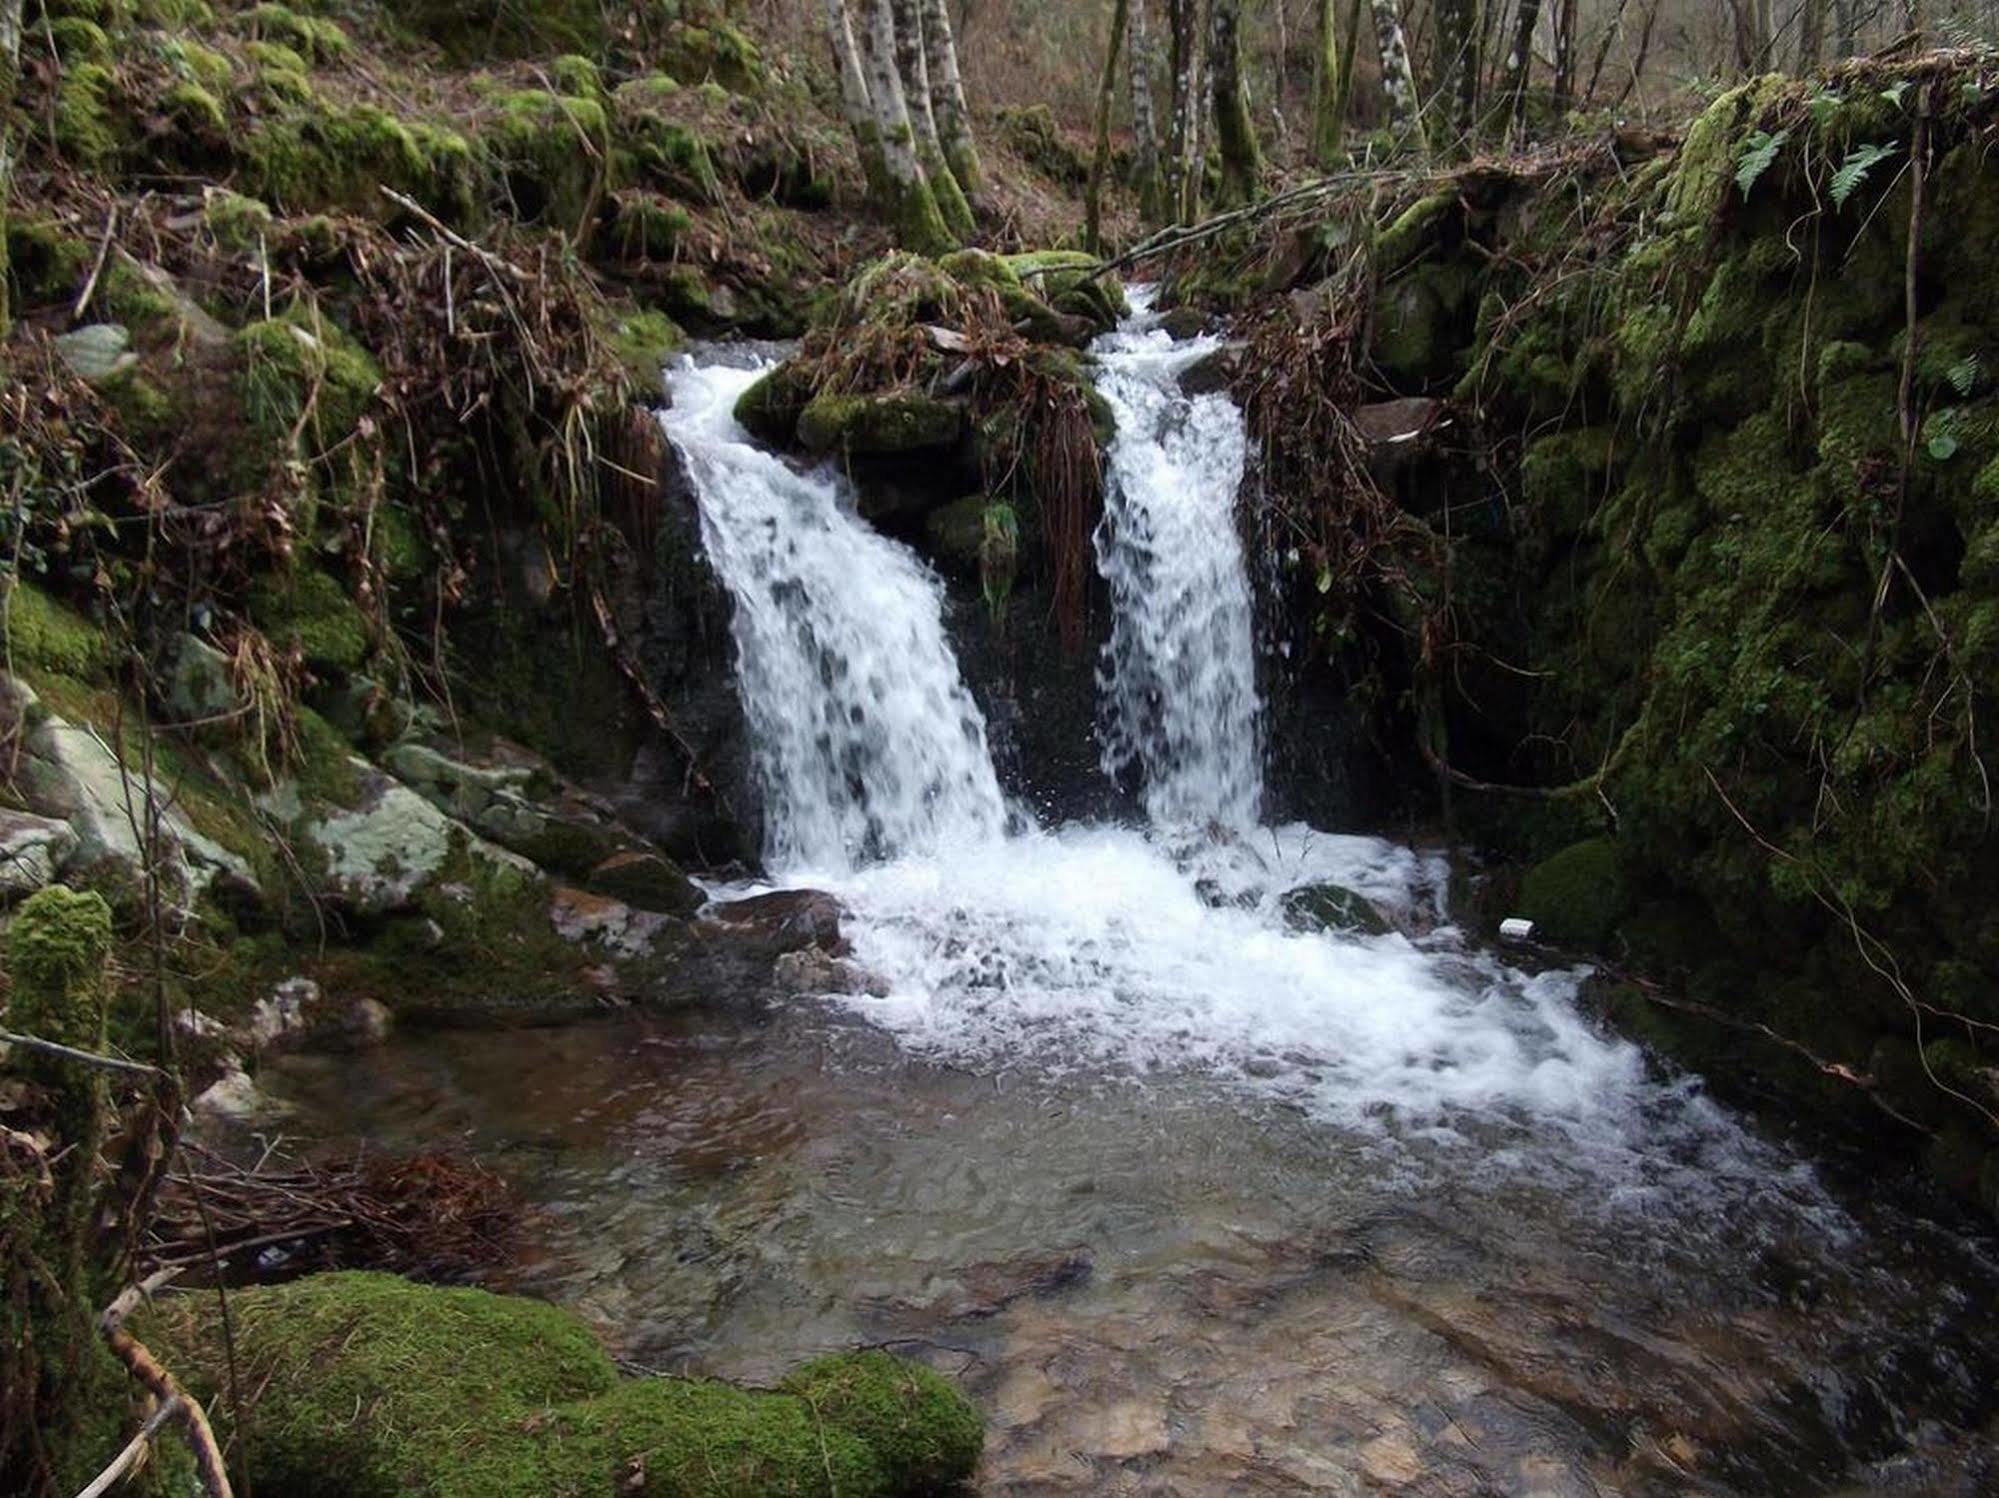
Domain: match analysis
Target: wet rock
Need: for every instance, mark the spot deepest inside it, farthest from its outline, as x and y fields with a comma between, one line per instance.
x=584, y=917
x=1399, y=430
x=788, y=920
x=32, y=848
x=236, y=1097
x=812, y=971
x=1332, y=907
x=392, y=843
x=1184, y=322
x=1212, y=372
x=898, y=422
x=286, y=1013
x=991, y=1287
x=647, y=881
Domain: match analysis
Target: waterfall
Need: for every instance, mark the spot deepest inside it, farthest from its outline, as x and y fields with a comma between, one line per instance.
x=866, y=743
x=1178, y=683
x=1126, y=951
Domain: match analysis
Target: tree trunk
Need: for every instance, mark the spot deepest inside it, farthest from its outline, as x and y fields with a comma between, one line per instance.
x=1235, y=132
x=1195, y=175
x=912, y=66
x=10, y=77
x=1144, y=118
x=1763, y=34
x=1811, y=35
x=1457, y=75
x=947, y=99
x=1183, y=18
x=1328, y=111
x=1093, y=199
x=1520, y=65
x=911, y=206
x=854, y=103
x=1398, y=82
x=1565, y=56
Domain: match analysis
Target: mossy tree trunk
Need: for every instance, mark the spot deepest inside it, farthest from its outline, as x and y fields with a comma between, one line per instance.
x=912, y=66
x=1183, y=159
x=947, y=100
x=1398, y=80
x=854, y=101
x=1811, y=35
x=10, y=76
x=909, y=203
x=1144, y=116
x=1328, y=122
x=1093, y=197
x=1235, y=132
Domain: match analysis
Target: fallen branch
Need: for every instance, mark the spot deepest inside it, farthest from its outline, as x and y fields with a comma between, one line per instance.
x=155, y=1380
x=85, y=1058
x=124, y=1460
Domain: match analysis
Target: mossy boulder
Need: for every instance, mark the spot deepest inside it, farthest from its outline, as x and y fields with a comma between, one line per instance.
x=714, y=51
x=770, y=408
x=1068, y=281
x=46, y=635
x=1578, y=896
x=1333, y=907
x=553, y=152
x=313, y=37
x=369, y=1385
x=480, y=30
x=902, y=421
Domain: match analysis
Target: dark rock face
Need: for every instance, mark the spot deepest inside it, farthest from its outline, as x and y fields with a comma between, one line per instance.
x=689, y=659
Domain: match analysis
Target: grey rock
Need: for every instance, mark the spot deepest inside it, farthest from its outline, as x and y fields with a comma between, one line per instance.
x=97, y=352
x=199, y=682
x=32, y=848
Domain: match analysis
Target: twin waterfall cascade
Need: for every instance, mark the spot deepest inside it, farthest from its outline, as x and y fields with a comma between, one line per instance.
x=1170, y=948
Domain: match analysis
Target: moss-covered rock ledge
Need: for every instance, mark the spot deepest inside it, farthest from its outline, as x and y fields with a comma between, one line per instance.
x=370, y=1386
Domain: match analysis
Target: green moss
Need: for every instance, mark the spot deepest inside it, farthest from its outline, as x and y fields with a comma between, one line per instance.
x=1415, y=230
x=312, y=37
x=770, y=408
x=1564, y=475
x=322, y=155
x=644, y=341
x=477, y=30
x=553, y=153
x=308, y=611
x=77, y=40
x=1578, y=896
x=192, y=107
x=45, y=260
x=715, y=51
x=361, y=1392
x=980, y=268
x=47, y=636
x=57, y=945
x=897, y=422
x=190, y=61
x=661, y=150
x=577, y=76
x=237, y=222
x=646, y=226
x=86, y=118
x=1424, y=324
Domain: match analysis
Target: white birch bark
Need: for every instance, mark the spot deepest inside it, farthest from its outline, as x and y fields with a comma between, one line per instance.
x=947, y=99
x=913, y=207
x=10, y=77
x=1144, y=113
x=855, y=105
x=1398, y=82
x=913, y=67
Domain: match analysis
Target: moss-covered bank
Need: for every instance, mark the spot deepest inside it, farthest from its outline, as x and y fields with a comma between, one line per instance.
x=367, y=1385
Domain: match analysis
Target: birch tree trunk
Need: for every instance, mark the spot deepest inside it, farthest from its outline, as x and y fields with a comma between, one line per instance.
x=910, y=204
x=1144, y=116
x=947, y=100
x=1847, y=14
x=1093, y=197
x=912, y=66
x=1195, y=176
x=1565, y=55
x=1235, y=132
x=1763, y=34
x=1520, y=65
x=1398, y=81
x=1457, y=77
x=1183, y=17
x=10, y=78
x=854, y=103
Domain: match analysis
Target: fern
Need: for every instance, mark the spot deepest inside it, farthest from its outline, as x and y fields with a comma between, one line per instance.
x=1963, y=376
x=1758, y=151
x=1853, y=171
x=1824, y=105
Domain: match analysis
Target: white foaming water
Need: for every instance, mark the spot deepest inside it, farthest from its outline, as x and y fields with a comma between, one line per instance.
x=1179, y=677
x=1117, y=952
x=867, y=744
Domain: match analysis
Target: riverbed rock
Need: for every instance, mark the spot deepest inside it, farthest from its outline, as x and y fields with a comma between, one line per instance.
x=1578, y=896
x=583, y=916
x=786, y=920
x=32, y=848
x=1333, y=907
x=898, y=422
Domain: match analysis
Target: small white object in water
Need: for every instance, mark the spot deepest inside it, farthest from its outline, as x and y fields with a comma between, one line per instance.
x=1516, y=928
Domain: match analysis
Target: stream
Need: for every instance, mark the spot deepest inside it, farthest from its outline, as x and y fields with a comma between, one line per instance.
x=1193, y=1194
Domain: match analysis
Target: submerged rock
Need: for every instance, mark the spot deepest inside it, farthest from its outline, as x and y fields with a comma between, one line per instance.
x=1333, y=907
